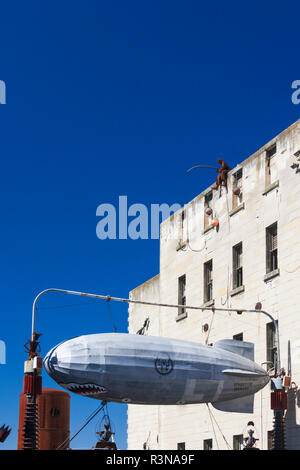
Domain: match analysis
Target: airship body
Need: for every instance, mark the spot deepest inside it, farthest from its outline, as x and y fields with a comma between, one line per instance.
x=153, y=370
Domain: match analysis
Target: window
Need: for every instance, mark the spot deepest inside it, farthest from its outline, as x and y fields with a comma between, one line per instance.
x=237, y=268
x=271, y=345
x=182, y=224
x=207, y=444
x=182, y=230
x=181, y=294
x=208, y=281
x=271, y=248
x=239, y=337
x=238, y=441
x=237, y=196
x=271, y=169
x=208, y=213
x=270, y=440
x=181, y=446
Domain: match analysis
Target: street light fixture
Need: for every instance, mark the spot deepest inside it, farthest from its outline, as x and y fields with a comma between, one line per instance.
x=159, y=304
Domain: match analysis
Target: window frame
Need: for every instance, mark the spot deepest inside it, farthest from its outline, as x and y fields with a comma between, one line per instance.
x=208, y=203
x=238, y=337
x=271, y=252
x=208, y=443
x=238, y=440
x=237, y=265
x=182, y=224
x=180, y=445
x=182, y=294
x=237, y=182
x=271, y=349
x=271, y=152
x=208, y=281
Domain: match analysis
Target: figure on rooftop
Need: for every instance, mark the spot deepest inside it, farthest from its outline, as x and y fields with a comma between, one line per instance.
x=222, y=177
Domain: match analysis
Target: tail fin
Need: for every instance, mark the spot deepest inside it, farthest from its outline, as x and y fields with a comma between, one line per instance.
x=238, y=405
x=242, y=348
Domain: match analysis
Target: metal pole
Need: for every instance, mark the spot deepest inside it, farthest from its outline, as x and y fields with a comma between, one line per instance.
x=157, y=304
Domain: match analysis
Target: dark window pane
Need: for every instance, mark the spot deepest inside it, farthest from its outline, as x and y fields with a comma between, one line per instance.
x=237, y=271
x=271, y=248
x=238, y=337
x=238, y=442
x=208, y=281
x=207, y=444
x=271, y=344
x=181, y=294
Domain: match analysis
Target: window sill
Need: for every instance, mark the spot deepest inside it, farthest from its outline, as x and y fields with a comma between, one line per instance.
x=181, y=316
x=271, y=187
x=272, y=274
x=209, y=303
x=237, y=209
x=208, y=228
x=237, y=290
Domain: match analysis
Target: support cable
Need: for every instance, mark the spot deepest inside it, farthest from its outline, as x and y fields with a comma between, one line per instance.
x=100, y=408
x=110, y=316
x=212, y=424
x=210, y=326
x=226, y=442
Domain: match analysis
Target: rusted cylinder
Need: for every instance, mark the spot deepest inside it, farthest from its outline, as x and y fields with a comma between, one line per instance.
x=54, y=418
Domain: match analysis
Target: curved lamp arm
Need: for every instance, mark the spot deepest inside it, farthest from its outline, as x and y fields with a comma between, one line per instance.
x=158, y=304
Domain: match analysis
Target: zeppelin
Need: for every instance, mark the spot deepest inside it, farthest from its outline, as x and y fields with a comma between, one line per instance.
x=152, y=370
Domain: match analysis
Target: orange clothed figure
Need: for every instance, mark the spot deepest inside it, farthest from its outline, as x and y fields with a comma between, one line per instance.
x=222, y=177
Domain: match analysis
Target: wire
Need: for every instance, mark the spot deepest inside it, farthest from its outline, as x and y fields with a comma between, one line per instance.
x=209, y=412
x=110, y=316
x=67, y=306
x=82, y=305
x=61, y=446
x=229, y=447
x=146, y=443
x=188, y=239
x=144, y=328
x=237, y=318
x=229, y=276
x=185, y=210
x=210, y=326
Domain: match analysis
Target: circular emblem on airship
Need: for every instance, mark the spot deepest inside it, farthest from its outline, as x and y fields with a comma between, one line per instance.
x=163, y=364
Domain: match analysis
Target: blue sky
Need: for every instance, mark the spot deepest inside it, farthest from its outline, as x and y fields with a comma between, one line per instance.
x=118, y=98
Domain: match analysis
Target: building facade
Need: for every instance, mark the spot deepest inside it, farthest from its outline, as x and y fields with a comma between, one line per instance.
x=229, y=248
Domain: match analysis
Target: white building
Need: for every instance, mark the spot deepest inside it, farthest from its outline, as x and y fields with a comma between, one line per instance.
x=252, y=256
